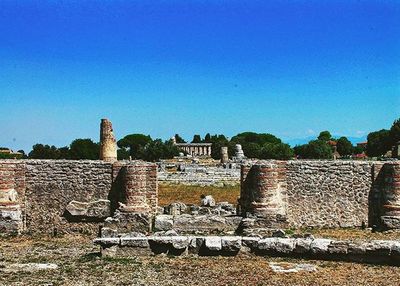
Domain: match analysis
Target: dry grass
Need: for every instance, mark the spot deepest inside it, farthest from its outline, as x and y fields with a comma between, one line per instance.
x=191, y=194
x=79, y=264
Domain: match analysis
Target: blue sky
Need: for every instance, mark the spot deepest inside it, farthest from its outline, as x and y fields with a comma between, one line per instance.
x=290, y=68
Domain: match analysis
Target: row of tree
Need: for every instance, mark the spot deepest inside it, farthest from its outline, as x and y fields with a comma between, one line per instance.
x=380, y=142
x=255, y=145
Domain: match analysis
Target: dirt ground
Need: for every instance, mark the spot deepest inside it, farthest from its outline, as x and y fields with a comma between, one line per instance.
x=79, y=264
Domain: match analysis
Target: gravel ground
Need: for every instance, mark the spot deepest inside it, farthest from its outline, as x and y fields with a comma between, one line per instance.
x=79, y=264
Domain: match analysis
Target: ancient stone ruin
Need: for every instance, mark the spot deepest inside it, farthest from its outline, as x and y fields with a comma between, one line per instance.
x=108, y=146
x=121, y=199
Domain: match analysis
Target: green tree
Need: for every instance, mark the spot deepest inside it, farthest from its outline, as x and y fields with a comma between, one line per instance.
x=64, y=153
x=123, y=154
x=40, y=151
x=134, y=143
x=252, y=150
x=196, y=139
x=358, y=150
x=279, y=151
x=84, y=149
x=207, y=138
x=179, y=139
x=378, y=143
x=315, y=149
x=344, y=146
x=217, y=141
x=325, y=136
x=395, y=132
x=157, y=149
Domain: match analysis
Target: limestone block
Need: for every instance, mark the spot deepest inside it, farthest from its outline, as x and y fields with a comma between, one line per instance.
x=108, y=232
x=163, y=222
x=250, y=242
x=338, y=247
x=213, y=243
x=8, y=195
x=267, y=244
x=141, y=242
x=231, y=243
x=284, y=245
x=107, y=241
x=302, y=245
x=320, y=245
x=208, y=201
x=195, y=244
x=96, y=209
x=176, y=208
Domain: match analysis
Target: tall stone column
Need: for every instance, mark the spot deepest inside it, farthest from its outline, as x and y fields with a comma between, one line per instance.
x=390, y=218
x=209, y=150
x=224, y=155
x=108, y=146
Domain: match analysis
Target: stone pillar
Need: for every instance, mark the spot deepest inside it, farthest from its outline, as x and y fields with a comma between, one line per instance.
x=390, y=218
x=140, y=187
x=224, y=155
x=108, y=146
x=209, y=150
x=263, y=191
x=12, y=196
x=239, y=152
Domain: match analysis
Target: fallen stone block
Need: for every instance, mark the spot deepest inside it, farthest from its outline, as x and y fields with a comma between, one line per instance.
x=302, y=245
x=195, y=244
x=141, y=242
x=107, y=241
x=338, y=247
x=319, y=246
x=163, y=222
x=93, y=210
x=213, y=243
x=231, y=243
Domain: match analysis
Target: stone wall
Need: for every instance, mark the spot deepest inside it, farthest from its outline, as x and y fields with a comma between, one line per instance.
x=314, y=193
x=195, y=174
x=52, y=184
x=62, y=196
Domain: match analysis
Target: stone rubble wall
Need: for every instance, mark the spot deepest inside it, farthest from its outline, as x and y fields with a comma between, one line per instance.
x=328, y=193
x=52, y=184
x=375, y=251
x=42, y=196
x=194, y=174
x=316, y=193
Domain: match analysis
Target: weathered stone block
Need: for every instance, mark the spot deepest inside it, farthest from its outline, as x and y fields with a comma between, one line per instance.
x=231, y=243
x=163, y=222
x=319, y=246
x=93, y=210
x=213, y=243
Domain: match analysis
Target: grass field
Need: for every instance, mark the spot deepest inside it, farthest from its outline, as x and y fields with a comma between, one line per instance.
x=191, y=194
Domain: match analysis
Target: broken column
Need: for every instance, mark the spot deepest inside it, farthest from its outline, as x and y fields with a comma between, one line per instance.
x=390, y=217
x=263, y=191
x=239, y=152
x=108, y=146
x=12, y=189
x=224, y=155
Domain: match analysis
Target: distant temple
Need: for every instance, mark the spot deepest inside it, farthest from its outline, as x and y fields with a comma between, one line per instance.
x=194, y=149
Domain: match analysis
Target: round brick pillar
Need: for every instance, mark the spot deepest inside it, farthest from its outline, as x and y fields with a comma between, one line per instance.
x=391, y=196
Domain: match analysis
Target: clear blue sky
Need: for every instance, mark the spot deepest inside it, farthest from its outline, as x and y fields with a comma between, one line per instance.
x=290, y=68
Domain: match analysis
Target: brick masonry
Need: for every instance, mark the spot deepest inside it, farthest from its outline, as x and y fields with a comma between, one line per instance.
x=320, y=193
